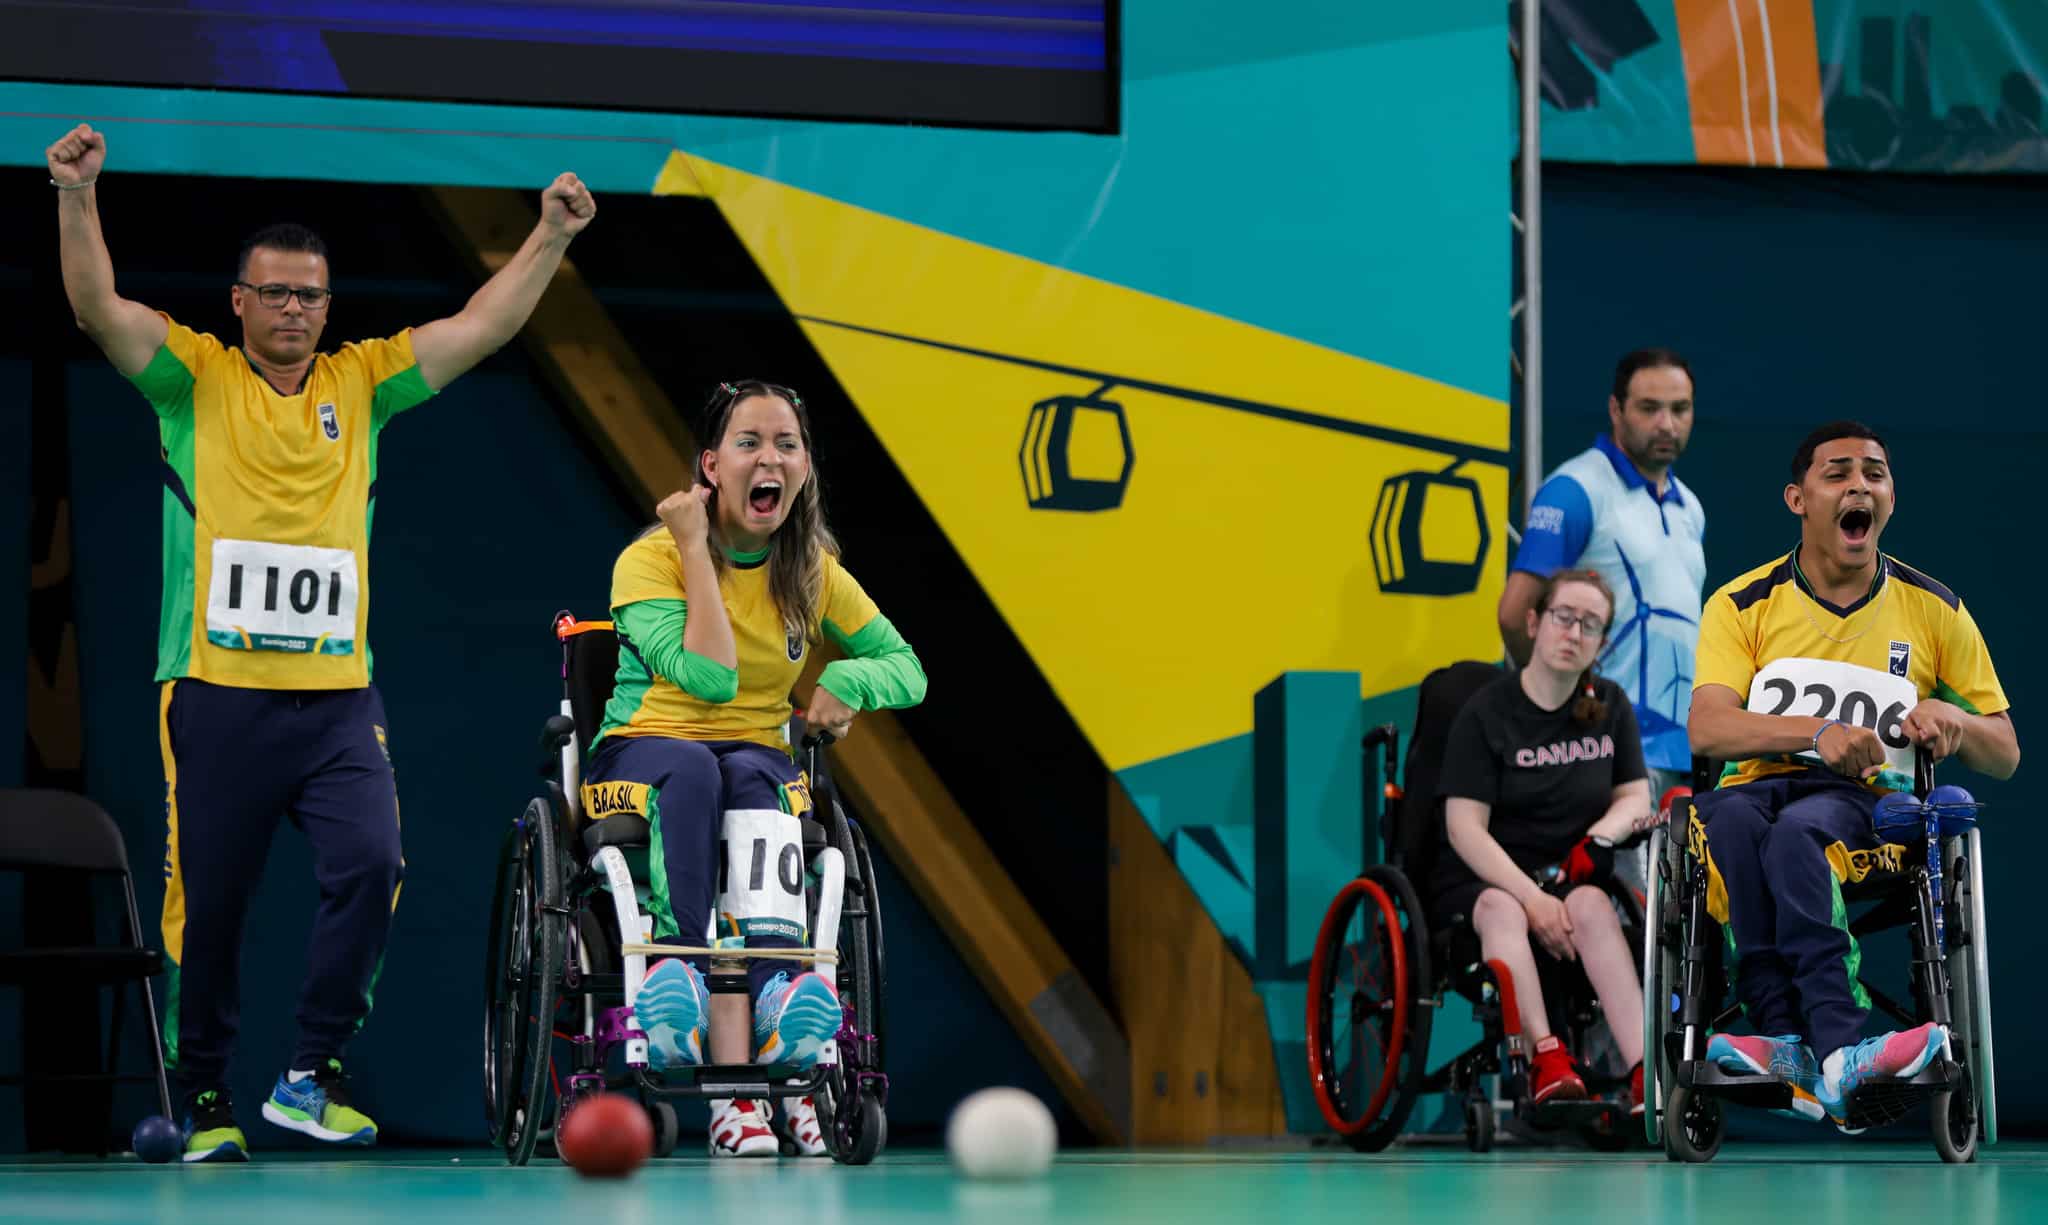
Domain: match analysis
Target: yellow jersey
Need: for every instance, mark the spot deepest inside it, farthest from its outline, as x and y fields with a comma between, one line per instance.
x=1786, y=651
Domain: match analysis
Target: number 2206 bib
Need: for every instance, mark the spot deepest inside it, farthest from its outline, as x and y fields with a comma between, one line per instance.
x=282, y=597
x=1851, y=693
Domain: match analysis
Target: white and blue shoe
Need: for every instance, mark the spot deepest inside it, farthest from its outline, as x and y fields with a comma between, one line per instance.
x=671, y=1010
x=794, y=1020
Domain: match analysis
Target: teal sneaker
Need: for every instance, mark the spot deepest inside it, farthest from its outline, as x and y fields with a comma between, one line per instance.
x=210, y=1131
x=794, y=1020
x=318, y=1106
x=1899, y=1055
x=671, y=1009
x=1787, y=1058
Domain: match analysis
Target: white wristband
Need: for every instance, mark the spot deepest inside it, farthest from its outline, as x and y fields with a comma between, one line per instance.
x=74, y=186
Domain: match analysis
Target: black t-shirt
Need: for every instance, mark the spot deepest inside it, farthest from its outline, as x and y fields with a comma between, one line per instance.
x=1545, y=776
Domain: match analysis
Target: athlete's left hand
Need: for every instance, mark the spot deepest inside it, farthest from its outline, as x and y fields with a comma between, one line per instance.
x=567, y=205
x=1936, y=726
x=828, y=714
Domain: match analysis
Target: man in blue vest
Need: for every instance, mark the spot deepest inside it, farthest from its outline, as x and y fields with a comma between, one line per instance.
x=1618, y=508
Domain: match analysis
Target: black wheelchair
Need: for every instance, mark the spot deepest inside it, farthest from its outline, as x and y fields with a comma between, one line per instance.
x=1933, y=886
x=567, y=950
x=1379, y=973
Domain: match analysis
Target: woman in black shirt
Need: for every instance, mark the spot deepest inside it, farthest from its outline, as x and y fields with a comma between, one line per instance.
x=1542, y=775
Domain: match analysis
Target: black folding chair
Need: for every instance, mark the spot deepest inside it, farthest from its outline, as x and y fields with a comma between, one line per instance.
x=58, y=831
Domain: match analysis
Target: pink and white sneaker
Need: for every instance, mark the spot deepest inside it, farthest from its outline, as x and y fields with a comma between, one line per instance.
x=739, y=1129
x=801, y=1117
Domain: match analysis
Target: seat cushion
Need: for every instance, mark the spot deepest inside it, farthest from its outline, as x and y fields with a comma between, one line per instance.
x=622, y=830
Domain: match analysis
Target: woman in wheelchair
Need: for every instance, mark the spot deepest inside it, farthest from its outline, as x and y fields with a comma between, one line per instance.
x=716, y=609
x=1542, y=775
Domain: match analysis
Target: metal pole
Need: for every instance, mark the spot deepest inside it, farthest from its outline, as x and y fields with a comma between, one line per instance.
x=1532, y=253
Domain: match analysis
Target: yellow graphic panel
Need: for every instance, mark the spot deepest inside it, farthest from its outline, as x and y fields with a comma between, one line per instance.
x=1169, y=507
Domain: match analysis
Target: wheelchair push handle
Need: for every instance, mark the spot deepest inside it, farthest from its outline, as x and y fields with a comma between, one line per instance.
x=554, y=735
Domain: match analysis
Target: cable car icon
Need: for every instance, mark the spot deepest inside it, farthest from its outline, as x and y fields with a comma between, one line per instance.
x=1428, y=534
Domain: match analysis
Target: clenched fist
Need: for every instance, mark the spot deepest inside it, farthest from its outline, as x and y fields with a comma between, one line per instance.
x=77, y=157
x=683, y=513
x=567, y=205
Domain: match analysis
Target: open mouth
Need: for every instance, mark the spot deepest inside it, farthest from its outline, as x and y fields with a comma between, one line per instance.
x=765, y=497
x=1856, y=525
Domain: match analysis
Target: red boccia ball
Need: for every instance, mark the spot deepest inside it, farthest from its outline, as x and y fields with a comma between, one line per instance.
x=606, y=1136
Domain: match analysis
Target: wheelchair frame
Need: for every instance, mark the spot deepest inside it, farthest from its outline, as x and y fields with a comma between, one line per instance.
x=1686, y=992
x=1405, y=1014
x=540, y=964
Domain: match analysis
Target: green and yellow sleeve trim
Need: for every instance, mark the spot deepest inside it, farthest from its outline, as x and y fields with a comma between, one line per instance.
x=655, y=630
x=882, y=673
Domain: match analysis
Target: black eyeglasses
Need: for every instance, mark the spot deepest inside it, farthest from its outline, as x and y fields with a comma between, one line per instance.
x=311, y=297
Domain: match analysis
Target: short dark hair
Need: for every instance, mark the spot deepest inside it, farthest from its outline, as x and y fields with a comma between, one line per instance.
x=1802, y=459
x=1647, y=359
x=284, y=236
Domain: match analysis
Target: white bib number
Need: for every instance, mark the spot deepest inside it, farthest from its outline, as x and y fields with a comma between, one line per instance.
x=761, y=872
x=1851, y=693
x=282, y=597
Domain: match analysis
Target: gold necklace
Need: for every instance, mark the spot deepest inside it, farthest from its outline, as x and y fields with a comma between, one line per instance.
x=1883, y=594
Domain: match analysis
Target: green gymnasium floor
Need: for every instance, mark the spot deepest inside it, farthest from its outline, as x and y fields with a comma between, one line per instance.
x=1807, y=1184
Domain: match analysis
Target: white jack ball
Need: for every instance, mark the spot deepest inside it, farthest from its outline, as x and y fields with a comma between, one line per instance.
x=1001, y=1134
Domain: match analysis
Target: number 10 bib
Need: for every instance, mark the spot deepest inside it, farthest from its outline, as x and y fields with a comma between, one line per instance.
x=282, y=597
x=1850, y=693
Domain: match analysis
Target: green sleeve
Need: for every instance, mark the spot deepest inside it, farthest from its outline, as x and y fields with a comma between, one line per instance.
x=654, y=628
x=883, y=673
x=166, y=384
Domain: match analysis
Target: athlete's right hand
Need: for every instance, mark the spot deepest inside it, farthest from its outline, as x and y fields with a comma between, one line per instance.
x=1551, y=924
x=683, y=513
x=78, y=156
x=1851, y=750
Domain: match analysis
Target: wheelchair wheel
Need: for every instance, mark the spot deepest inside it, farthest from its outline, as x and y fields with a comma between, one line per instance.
x=1368, y=1029
x=667, y=1128
x=1969, y=980
x=872, y=1008
x=1693, y=1126
x=523, y=955
x=1479, y=1125
x=1660, y=979
x=1955, y=1125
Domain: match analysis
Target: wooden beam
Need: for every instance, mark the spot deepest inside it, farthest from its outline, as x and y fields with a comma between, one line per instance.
x=577, y=347
x=926, y=834
x=1201, y=1052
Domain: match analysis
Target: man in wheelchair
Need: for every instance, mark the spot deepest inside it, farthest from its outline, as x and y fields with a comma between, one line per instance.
x=1542, y=775
x=1819, y=676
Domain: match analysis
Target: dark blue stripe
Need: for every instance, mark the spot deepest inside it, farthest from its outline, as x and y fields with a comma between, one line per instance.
x=176, y=484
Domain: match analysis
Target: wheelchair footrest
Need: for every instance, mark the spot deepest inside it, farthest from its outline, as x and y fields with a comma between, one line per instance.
x=1887, y=1101
x=773, y=1081
x=1560, y=1116
x=1761, y=1091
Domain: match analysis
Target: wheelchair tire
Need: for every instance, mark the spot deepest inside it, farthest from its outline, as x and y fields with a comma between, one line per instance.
x=1479, y=1125
x=1694, y=1126
x=525, y=949
x=1969, y=982
x=1660, y=975
x=873, y=1009
x=1366, y=1089
x=1955, y=1125
x=667, y=1127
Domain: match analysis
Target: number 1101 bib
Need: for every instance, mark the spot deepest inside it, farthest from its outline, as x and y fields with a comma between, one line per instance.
x=282, y=597
x=1850, y=693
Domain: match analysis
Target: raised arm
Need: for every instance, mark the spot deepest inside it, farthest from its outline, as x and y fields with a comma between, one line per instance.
x=129, y=333
x=447, y=348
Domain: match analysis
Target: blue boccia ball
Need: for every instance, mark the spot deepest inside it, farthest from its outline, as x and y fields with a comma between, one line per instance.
x=1949, y=793
x=158, y=1140
x=1895, y=810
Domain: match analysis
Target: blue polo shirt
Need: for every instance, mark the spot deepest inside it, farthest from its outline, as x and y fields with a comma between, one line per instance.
x=1596, y=512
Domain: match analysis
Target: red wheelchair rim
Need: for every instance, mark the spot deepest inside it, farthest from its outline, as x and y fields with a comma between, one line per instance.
x=1320, y=970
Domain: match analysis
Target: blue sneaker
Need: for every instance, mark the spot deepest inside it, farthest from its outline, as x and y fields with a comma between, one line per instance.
x=210, y=1130
x=318, y=1106
x=794, y=1020
x=671, y=1010
x=1786, y=1058
x=1900, y=1055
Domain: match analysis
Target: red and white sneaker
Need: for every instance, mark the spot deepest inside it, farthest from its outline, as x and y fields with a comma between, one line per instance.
x=801, y=1116
x=738, y=1129
x=1552, y=1077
